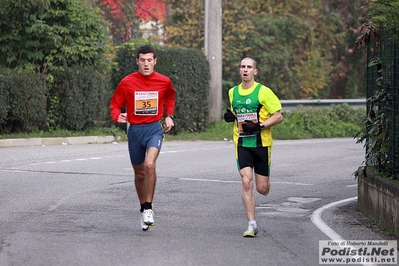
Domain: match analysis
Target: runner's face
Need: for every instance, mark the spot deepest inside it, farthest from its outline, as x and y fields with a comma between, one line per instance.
x=146, y=63
x=247, y=70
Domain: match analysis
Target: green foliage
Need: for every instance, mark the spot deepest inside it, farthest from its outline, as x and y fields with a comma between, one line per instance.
x=301, y=46
x=288, y=41
x=303, y=123
x=48, y=37
x=189, y=71
x=4, y=90
x=51, y=34
x=384, y=13
x=184, y=25
x=78, y=99
x=291, y=128
x=380, y=128
x=214, y=131
x=348, y=72
x=25, y=102
x=334, y=121
x=62, y=133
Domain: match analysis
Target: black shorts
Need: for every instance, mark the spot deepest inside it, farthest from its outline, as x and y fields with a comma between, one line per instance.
x=257, y=158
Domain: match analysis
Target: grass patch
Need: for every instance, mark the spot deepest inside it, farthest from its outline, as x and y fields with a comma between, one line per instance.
x=62, y=133
x=331, y=122
x=215, y=131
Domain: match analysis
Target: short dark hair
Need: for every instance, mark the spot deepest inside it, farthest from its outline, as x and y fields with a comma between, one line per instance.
x=146, y=49
x=253, y=60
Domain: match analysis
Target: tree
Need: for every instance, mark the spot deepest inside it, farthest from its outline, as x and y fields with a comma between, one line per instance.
x=185, y=23
x=51, y=34
x=348, y=72
x=293, y=39
x=120, y=15
x=294, y=42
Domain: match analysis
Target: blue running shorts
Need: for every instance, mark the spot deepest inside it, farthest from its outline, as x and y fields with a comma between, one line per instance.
x=141, y=138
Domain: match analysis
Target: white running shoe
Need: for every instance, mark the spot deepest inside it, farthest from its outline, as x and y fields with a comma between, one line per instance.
x=148, y=217
x=144, y=227
x=251, y=231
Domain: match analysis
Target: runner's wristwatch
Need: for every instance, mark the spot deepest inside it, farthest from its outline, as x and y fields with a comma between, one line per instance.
x=171, y=116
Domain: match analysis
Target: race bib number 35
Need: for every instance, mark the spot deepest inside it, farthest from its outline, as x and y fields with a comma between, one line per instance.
x=146, y=102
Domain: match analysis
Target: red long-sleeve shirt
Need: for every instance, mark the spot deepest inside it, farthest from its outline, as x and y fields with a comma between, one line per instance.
x=146, y=98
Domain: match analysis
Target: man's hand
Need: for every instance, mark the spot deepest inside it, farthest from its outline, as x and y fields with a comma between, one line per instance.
x=169, y=124
x=250, y=127
x=122, y=118
x=229, y=116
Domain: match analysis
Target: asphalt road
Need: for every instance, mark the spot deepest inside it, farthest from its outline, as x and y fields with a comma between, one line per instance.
x=76, y=205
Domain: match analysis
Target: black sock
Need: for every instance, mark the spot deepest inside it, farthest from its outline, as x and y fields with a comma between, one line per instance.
x=147, y=205
x=141, y=207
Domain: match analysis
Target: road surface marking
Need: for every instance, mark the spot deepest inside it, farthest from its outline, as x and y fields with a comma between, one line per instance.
x=316, y=220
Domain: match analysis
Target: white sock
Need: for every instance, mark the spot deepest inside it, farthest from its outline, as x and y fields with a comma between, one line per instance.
x=253, y=223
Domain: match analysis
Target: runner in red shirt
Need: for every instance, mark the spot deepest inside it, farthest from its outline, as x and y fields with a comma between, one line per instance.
x=146, y=94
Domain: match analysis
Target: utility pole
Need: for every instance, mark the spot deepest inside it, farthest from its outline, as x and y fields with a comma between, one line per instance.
x=213, y=51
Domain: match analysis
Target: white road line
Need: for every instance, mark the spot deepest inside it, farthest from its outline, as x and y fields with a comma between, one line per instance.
x=68, y=161
x=292, y=183
x=209, y=180
x=100, y=158
x=316, y=220
x=237, y=181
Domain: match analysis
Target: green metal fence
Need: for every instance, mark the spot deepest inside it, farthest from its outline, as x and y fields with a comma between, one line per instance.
x=382, y=124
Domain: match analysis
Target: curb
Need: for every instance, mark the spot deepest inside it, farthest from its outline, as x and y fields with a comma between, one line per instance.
x=56, y=141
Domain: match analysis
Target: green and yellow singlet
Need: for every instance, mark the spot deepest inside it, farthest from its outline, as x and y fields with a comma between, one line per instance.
x=257, y=104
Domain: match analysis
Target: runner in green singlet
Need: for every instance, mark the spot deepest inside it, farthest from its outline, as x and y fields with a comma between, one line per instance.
x=255, y=109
